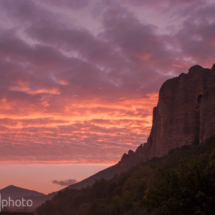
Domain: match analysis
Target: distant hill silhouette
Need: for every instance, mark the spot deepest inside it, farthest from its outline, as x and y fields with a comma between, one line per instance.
x=16, y=192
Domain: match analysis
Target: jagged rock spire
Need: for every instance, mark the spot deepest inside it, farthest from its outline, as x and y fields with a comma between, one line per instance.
x=213, y=67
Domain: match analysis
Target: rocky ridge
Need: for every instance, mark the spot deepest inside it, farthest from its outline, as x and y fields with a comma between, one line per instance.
x=185, y=115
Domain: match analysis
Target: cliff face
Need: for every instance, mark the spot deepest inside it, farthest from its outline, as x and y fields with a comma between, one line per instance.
x=185, y=114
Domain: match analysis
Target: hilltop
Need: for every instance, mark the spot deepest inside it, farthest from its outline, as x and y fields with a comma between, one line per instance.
x=16, y=192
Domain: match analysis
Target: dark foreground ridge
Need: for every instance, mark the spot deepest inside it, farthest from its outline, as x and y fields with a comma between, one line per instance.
x=185, y=114
x=181, y=182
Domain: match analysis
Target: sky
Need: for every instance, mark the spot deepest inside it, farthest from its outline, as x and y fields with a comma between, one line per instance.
x=79, y=80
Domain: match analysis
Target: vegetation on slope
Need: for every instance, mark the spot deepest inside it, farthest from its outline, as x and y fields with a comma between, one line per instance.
x=183, y=182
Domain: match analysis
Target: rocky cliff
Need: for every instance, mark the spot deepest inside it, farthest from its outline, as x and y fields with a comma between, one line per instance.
x=185, y=115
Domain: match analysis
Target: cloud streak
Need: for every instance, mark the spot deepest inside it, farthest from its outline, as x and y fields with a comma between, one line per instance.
x=65, y=182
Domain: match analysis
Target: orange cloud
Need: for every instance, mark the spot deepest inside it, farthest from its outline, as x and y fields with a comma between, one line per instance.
x=34, y=92
x=85, y=133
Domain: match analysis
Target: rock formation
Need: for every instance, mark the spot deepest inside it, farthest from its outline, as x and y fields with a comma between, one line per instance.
x=185, y=114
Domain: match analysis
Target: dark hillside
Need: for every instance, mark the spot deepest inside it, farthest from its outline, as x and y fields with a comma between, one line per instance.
x=146, y=187
x=106, y=173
